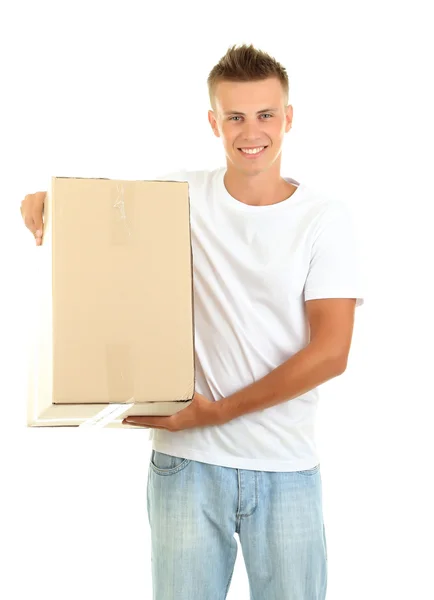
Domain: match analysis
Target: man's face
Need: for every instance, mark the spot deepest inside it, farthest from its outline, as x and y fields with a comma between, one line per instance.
x=248, y=116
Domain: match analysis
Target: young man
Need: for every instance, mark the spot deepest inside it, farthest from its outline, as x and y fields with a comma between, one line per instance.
x=276, y=282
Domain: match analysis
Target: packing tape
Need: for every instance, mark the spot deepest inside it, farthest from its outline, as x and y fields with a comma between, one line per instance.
x=122, y=217
x=120, y=381
x=107, y=415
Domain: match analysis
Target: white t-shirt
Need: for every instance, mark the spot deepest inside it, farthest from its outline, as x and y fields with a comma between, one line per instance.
x=253, y=268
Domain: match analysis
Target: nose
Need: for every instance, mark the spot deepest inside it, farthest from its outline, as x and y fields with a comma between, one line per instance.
x=251, y=132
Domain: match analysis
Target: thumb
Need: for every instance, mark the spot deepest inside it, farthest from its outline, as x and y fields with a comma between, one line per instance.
x=37, y=216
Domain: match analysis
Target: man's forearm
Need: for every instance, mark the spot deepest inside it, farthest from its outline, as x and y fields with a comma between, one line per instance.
x=304, y=371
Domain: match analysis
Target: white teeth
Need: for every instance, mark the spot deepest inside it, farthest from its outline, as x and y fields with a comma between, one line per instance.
x=252, y=150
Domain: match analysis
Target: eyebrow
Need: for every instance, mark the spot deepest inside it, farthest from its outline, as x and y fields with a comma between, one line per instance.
x=234, y=112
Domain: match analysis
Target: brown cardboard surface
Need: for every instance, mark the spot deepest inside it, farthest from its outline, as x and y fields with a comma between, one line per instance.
x=114, y=303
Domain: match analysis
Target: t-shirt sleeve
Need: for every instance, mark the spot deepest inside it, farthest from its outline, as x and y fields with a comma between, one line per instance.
x=335, y=265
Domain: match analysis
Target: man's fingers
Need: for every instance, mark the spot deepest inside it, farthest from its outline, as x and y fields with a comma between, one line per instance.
x=30, y=224
x=32, y=208
x=35, y=228
x=38, y=209
x=37, y=223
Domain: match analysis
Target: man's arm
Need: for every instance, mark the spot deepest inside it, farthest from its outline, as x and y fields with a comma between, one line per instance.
x=331, y=322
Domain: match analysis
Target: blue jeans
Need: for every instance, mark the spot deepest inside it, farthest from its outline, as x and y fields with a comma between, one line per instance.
x=194, y=511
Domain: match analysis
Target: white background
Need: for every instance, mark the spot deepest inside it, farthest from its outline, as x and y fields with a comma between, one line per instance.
x=118, y=90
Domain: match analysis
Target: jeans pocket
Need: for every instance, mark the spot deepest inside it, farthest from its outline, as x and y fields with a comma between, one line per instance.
x=166, y=464
x=309, y=472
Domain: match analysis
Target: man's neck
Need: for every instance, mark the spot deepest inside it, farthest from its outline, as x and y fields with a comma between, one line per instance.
x=261, y=189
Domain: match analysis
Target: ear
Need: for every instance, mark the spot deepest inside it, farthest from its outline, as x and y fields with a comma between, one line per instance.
x=213, y=122
x=288, y=118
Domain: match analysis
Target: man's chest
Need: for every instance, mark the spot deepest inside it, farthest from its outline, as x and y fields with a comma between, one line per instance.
x=250, y=260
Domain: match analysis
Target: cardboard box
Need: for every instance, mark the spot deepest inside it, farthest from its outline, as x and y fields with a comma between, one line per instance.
x=114, y=306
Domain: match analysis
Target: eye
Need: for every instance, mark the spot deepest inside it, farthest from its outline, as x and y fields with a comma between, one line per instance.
x=236, y=117
x=266, y=114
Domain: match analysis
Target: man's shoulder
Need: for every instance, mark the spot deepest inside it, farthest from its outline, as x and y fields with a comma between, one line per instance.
x=327, y=209
x=322, y=199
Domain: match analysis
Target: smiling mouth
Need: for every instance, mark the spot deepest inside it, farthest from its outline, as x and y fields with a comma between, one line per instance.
x=256, y=151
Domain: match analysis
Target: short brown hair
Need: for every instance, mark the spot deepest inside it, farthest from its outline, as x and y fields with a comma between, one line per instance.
x=246, y=63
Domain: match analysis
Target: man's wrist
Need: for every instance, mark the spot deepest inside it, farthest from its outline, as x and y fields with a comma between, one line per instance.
x=222, y=415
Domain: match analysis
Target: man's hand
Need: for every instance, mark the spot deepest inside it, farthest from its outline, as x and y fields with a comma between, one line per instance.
x=32, y=209
x=200, y=413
